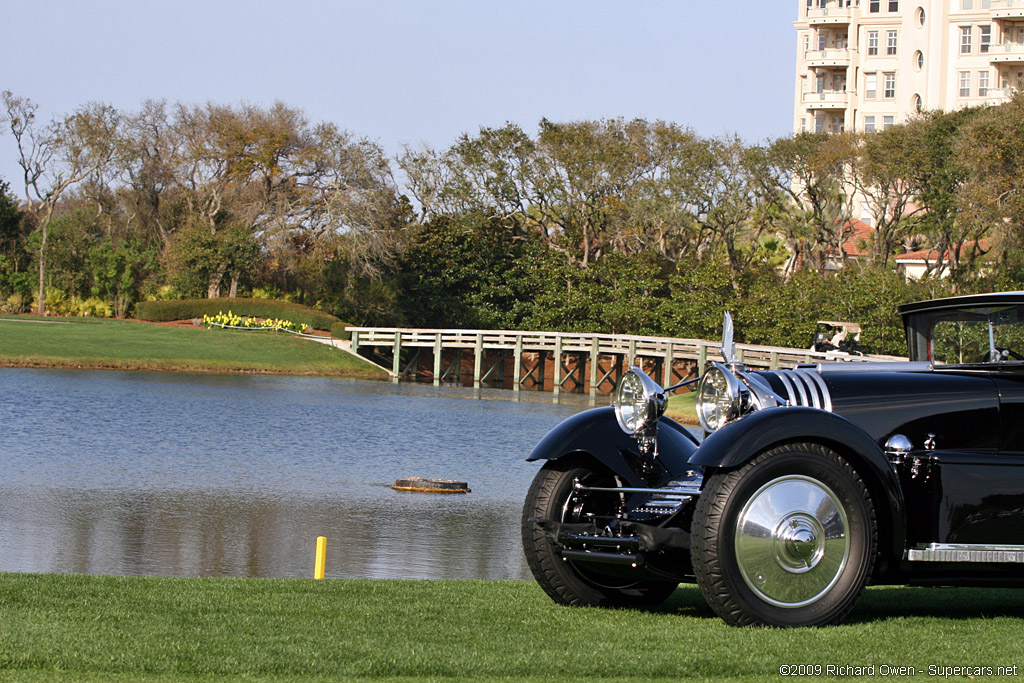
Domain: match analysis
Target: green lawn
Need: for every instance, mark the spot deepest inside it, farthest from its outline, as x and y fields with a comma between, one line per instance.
x=132, y=345
x=682, y=407
x=98, y=628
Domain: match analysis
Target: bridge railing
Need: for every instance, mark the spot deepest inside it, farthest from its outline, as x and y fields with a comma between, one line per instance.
x=666, y=350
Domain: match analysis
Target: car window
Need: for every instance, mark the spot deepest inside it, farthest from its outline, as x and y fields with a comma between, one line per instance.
x=968, y=335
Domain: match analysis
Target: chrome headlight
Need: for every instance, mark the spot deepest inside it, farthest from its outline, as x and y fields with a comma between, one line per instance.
x=720, y=397
x=639, y=402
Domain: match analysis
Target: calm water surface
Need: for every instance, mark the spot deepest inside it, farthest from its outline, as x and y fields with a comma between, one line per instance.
x=199, y=475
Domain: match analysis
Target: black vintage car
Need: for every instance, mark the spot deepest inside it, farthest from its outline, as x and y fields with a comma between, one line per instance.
x=810, y=482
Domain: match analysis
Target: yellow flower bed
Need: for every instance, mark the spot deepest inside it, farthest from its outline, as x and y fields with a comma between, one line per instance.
x=229, y=319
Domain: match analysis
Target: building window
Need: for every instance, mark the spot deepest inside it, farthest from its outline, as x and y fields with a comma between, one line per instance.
x=966, y=5
x=983, y=83
x=920, y=16
x=890, y=42
x=965, y=40
x=918, y=60
x=890, y=86
x=986, y=38
x=965, y=84
x=887, y=122
x=873, y=5
x=917, y=103
x=869, y=124
x=819, y=124
x=837, y=125
x=894, y=5
x=870, y=86
x=986, y=4
x=803, y=124
x=821, y=41
x=872, y=42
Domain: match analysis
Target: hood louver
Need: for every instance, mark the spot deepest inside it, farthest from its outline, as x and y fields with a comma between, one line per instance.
x=805, y=388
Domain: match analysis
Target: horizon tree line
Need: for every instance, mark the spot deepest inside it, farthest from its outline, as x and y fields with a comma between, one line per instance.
x=583, y=225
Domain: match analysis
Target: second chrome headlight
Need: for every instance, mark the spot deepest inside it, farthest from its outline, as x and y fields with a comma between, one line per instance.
x=719, y=399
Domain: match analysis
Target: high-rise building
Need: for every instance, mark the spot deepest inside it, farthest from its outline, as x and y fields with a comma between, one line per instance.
x=865, y=65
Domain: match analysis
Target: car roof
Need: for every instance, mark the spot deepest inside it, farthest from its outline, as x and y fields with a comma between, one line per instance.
x=969, y=301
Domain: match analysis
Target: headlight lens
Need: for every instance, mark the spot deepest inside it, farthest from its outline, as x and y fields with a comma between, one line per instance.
x=639, y=402
x=719, y=399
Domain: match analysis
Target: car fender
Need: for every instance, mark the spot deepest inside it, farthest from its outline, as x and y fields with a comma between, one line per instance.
x=739, y=442
x=597, y=433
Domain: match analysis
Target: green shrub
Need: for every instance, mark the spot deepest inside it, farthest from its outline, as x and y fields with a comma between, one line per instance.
x=95, y=307
x=187, y=309
x=338, y=330
x=15, y=303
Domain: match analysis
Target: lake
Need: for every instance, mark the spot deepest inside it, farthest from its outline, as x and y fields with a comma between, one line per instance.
x=215, y=475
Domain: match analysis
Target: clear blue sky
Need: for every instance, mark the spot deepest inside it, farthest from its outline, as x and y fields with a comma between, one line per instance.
x=411, y=71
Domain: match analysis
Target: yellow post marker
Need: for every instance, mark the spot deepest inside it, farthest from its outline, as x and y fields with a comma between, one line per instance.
x=321, y=557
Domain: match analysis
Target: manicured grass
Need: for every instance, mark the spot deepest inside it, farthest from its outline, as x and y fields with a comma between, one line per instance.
x=97, y=628
x=682, y=407
x=133, y=345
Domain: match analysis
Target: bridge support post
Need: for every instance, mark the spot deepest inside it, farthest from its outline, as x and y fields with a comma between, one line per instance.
x=666, y=376
x=396, y=361
x=478, y=360
x=558, y=365
x=517, y=371
x=437, y=358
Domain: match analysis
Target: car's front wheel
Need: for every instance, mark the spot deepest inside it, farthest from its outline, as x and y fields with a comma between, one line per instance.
x=786, y=540
x=552, y=496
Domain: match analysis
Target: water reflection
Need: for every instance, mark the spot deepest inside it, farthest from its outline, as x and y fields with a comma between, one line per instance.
x=185, y=475
x=206, y=533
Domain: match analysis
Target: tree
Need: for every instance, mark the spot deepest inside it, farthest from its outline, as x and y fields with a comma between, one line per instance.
x=805, y=179
x=992, y=195
x=55, y=157
x=939, y=175
x=882, y=171
x=13, y=257
x=117, y=270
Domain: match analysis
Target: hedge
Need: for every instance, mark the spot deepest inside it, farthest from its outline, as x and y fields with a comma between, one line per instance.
x=338, y=330
x=186, y=309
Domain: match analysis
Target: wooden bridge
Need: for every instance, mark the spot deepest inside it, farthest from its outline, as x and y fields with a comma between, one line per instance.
x=556, y=361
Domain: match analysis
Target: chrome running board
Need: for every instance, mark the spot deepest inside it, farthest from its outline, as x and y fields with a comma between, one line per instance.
x=965, y=552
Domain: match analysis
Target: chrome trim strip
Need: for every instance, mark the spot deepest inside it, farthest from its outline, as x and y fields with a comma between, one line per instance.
x=798, y=382
x=692, y=490
x=964, y=552
x=825, y=395
x=870, y=366
x=812, y=389
x=790, y=390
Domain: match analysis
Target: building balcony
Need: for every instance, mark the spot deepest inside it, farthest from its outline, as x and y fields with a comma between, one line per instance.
x=1008, y=9
x=820, y=16
x=1007, y=53
x=828, y=99
x=999, y=95
x=825, y=58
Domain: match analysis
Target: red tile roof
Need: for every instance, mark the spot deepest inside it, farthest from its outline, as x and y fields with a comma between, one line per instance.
x=932, y=255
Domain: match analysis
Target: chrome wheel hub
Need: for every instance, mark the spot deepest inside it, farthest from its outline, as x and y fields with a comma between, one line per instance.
x=792, y=541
